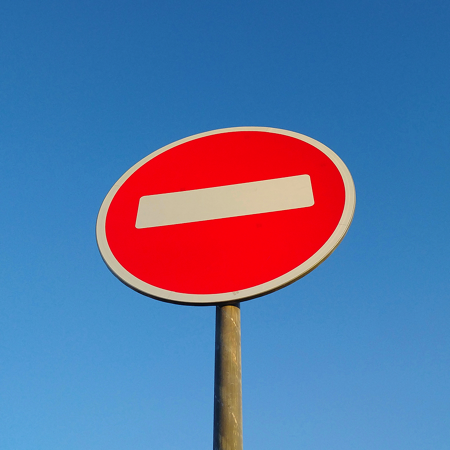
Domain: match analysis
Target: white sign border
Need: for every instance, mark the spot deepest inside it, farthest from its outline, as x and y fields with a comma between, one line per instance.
x=245, y=294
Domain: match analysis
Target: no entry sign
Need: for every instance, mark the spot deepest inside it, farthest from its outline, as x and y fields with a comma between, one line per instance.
x=226, y=215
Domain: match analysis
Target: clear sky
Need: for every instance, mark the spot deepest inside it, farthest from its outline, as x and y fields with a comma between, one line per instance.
x=354, y=356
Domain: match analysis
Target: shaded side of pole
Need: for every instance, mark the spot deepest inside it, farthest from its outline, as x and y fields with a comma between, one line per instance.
x=228, y=379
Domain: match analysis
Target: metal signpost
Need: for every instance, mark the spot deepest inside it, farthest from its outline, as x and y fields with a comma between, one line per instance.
x=222, y=217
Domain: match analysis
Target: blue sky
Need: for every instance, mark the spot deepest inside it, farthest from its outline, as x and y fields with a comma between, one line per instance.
x=353, y=356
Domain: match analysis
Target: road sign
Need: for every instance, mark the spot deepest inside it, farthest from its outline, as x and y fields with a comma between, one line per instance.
x=226, y=215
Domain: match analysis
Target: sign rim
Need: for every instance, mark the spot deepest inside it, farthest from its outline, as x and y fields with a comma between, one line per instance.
x=245, y=294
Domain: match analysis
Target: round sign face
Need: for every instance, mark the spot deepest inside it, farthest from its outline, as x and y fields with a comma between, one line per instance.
x=225, y=216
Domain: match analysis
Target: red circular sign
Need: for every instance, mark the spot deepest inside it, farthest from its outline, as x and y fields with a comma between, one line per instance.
x=225, y=215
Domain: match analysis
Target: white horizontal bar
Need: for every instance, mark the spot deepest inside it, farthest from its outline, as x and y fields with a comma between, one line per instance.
x=220, y=202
